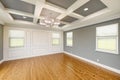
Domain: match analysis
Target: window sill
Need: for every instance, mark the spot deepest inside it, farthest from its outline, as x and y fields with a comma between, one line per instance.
x=106, y=51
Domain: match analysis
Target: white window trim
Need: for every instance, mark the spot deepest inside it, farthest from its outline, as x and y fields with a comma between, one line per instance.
x=17, y=46
x=56, y=38
x=71, y=38
x=55, y=44
x=108, y=51
x=16, y=37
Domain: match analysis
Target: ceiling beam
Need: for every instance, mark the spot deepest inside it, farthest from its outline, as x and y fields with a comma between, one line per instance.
x=114, y=6
x=73, y=7
x=19, y=12
x=22, y=22
x=76, y=15
x=30, y=1
x=5, y=16
x=38, y=8
x=47, y=5
x=106, y=10
x=39, y=5
x=55, y=8
x=60, y=10
x=64, y=22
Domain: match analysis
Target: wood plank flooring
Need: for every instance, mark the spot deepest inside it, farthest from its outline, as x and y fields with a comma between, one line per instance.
x=54, y=67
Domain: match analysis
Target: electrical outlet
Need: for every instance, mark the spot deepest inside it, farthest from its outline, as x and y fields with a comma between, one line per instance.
x=98, y=60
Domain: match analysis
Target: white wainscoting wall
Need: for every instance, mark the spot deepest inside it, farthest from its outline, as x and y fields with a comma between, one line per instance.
x=37, y=42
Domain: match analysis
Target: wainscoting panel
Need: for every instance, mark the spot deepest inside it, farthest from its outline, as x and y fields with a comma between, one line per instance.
x=37, y=42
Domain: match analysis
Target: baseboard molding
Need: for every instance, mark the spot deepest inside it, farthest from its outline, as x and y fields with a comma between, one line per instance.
x=95, y=63
x=25, y=57
x=1, y=61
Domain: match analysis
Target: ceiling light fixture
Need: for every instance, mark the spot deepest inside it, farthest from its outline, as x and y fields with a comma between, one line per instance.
x=85, y=9
x=49, y=21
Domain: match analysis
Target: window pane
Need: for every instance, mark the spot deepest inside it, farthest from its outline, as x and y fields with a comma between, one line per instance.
x=55, y=42
x=69, y=42
x=16, y=42
x=107, y=44
x=55, y=38
x=69, y=37
x=16, y=33
x=55, y=35
x=107, y=30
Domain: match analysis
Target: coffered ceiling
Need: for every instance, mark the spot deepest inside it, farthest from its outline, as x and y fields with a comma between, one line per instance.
x=18, y=5
x=49, y=13
x=71, y=13
x=90, y=7
x=62, y=3
x=19, y=17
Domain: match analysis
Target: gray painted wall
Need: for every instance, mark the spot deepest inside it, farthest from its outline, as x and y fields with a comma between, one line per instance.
x=1, y=42
x=84, y=40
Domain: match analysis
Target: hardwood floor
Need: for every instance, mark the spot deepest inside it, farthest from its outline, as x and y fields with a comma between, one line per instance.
x=54, y=67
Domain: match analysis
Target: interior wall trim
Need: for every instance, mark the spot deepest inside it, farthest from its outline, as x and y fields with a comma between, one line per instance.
x=1, y=61
x=25, y=57
x=94, y=63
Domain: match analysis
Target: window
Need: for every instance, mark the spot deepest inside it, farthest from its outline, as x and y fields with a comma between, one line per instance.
x=16, y=38
x=55, y=38
x=107, y=38
x=69, y=39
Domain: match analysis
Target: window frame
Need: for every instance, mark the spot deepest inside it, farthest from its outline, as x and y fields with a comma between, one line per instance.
x=69, y=38
x=112, y=36
x=56, y=38
x=16, y=38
